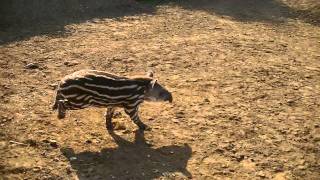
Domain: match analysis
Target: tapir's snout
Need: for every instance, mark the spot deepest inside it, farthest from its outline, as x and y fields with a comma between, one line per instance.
x=158, y=93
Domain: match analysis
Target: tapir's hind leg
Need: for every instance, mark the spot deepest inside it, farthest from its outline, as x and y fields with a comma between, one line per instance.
x=59, y=103
x=109, y=115
x=61, y=109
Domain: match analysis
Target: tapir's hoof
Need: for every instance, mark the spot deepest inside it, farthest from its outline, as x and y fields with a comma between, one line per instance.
x=61, y=116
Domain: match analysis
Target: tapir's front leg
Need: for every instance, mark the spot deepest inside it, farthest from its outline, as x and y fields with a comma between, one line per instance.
x=133, y=113
x=109, y=115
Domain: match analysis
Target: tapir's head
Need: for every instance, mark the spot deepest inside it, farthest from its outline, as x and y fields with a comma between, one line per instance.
x=155, y=92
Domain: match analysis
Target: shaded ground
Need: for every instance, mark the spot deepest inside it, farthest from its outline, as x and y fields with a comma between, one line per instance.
x=20, y=20
x=245, y=78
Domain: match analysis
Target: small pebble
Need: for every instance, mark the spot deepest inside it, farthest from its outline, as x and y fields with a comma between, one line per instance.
x=69, y=170
x=32, y=66
x=71, y=63
x=88, y=141
x=54, y=144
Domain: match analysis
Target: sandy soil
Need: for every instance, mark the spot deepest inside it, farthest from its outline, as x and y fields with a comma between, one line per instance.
x=245, y=77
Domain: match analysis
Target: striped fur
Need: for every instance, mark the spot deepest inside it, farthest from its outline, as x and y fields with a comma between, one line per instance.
x=88, y=88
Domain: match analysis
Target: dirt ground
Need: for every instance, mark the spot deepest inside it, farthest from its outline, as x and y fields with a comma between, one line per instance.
x=245, y=77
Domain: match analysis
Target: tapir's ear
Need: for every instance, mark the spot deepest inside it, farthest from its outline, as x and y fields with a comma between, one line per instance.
x=152, y=83
x=150, y=74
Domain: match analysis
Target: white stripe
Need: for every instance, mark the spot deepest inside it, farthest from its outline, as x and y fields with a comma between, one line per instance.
x=87, y=78
x=98, y=102
x=135, y=117
x=138, y=96
x=136, y=103
x=102, y=76
x=81, y=97
x=107, y=77
x=112, y=88
x=131, y=110
x=88, y=97
x=80, y=105
x=94, y=92
x=84, y=105
x=140, y=87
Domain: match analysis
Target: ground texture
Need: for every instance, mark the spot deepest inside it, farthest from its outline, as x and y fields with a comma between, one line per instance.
x=245, y=76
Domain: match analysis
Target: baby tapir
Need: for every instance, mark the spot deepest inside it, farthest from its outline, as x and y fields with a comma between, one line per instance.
x=86, y=88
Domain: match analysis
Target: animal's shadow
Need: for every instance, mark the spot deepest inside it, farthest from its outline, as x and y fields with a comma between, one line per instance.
x=130, y=160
